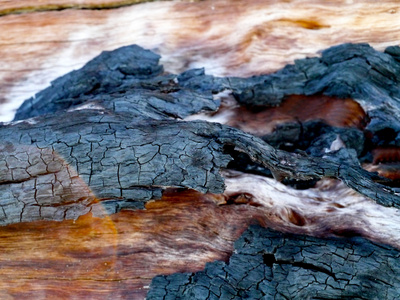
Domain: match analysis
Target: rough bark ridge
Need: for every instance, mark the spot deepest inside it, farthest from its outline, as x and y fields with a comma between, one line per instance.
x=272, y=265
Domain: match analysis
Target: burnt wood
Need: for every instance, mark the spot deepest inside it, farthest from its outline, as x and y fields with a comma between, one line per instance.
x=113, y=135
x=268, y=264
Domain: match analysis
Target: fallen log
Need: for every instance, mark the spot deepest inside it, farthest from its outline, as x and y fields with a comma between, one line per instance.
x=130, y=186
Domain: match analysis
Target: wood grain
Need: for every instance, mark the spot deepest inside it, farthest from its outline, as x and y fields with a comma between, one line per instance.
x=117, y=256
x=227, y=38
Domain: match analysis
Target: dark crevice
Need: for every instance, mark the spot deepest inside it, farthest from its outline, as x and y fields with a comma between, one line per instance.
x=269, y=260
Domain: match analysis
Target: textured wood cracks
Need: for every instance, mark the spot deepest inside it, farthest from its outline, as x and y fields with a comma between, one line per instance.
x=118, y=255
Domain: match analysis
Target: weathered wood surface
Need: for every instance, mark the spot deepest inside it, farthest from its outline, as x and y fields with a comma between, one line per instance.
x=80, y=183
x=115, y=257
x=240, y=38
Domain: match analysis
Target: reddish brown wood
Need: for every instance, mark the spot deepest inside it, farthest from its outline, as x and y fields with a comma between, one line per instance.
x=333, y=111
x=117, y=256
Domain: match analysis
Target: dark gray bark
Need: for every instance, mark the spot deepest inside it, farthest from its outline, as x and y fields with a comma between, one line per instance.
x=272, y=265
x=125, y=140
x=133, y=160
x=347, y=71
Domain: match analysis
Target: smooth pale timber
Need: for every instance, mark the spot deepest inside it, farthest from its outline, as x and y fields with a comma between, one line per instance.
x=116, y=257
x=238, y=38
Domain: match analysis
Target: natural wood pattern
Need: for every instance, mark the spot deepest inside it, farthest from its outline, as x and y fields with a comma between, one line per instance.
x=117, y=256
x=239, y=38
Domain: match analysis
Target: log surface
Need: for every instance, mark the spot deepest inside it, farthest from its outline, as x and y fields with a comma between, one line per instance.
x=131, y=185
x=111, y=189
x=123, y=138
x=228, y=39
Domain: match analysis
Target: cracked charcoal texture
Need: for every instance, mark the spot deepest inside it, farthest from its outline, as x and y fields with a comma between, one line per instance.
x=114, y=156
x=130, y=80
x=122, y=140
x=107, y=71
x=56, y=170
x=270, y=265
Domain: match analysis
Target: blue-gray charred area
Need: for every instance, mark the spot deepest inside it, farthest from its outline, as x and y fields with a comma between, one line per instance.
x=113, y=133
x=273, y=265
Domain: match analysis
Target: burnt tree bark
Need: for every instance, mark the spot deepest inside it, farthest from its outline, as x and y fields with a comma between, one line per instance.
x=118, y=134
x=272, y=265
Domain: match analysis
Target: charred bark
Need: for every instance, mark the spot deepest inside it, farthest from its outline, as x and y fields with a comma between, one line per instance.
x=116, y=134
x=272, y=265
x=125, y=139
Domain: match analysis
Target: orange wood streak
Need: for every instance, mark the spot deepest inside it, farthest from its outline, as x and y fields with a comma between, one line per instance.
x=333, y=111
x=117, y=256
x=390, y=171
x=386, y=161
x=386, y=155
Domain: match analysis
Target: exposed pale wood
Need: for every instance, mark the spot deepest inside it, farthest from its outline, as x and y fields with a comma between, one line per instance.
x=228, y=38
